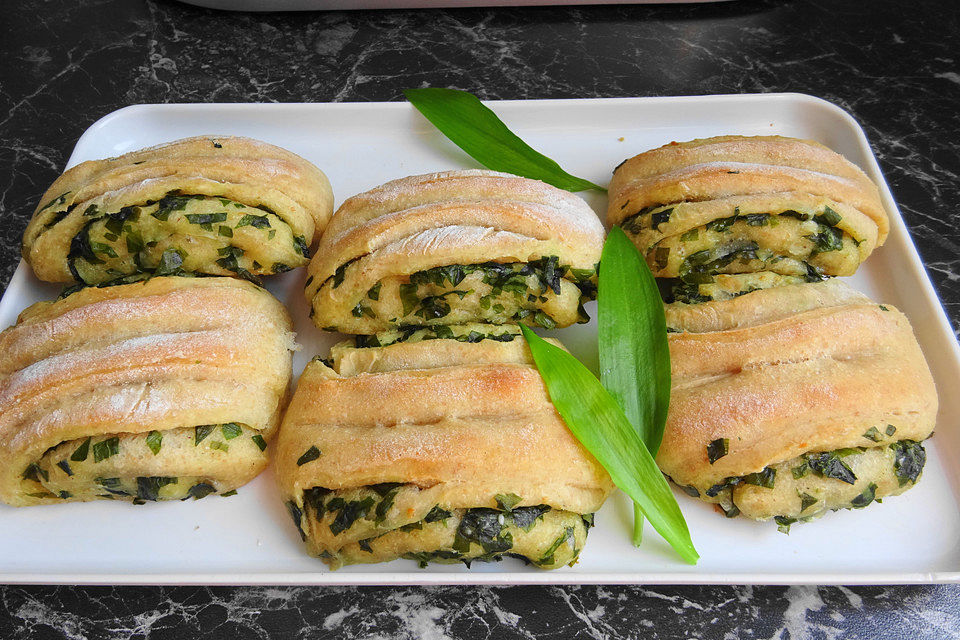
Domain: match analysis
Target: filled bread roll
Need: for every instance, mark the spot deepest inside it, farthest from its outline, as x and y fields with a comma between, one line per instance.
x=455, y=247
x=163, y=389
x=793, y=401
x=435, y=450
x=218, y=205
x=741, y=205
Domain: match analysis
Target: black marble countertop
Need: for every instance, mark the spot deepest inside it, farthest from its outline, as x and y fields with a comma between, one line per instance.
x=894, y=65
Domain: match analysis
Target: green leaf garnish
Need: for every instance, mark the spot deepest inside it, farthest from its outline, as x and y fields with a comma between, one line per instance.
x=300, y=244
x=260, y=222
x=632, y=339
x=106, y=448
x=148, y=487
x=35, y=472
x=82, y=451
x=909, y=460
x=437, y=514
x=476, y=129
x=60, y=199
x=866, y=497
x=783, y=523
x=386, y=501
x=830, y=216
x=309, y=455
x=348, y=513
x=717, y=449
x=200, y=490
x=484, y=527
x=526, y=517
x=507, y=501
x=170, y=261
x=259, y=441
x=830, y=465
x=154, y=440
x=547, y=557
x=597, y=421
x=200, y=432
x=765, y=478
x=230, y=430
x=297, y=514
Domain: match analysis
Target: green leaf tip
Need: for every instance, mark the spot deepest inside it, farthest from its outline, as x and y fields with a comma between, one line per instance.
x=476, y=129
x=632, y=342
x=596, y=420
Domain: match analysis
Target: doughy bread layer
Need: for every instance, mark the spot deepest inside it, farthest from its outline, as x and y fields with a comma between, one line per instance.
x=458, y=423
x=104, y=368
x=735, y=204
x=780, y=373
x=398, y=254
x=219, y=176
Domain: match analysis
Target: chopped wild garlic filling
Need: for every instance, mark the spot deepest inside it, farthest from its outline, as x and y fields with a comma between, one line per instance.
x=184, y=234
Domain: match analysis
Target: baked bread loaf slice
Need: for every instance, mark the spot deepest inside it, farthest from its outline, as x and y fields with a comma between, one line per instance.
x=792, y=401
x=163, y=389
x=217, y=205
x=455, y=247
x=739, y=205
x=435, y=450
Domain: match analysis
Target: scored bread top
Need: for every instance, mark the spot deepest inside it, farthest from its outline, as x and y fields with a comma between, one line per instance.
x=162, y=354
x=472, y=418
x=248, y=171
x=724, y=166
x=785, y=371
x=409, y=206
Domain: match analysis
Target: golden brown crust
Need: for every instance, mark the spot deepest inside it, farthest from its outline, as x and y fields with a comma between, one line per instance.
x=699, y=171
x=449, y=218
x=442, y=425
x=461, y=433
x=501, y=201
x=774, y=150
x=244, y=170
x=777, y=386
x=164, y=354
x=717, y=178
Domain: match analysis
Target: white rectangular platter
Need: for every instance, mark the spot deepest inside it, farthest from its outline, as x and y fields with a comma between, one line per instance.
x=249, y=539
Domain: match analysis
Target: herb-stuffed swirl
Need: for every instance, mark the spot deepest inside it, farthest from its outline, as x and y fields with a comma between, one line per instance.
x=792, y=401
x=739, y=205
x=435, y=449
x=163, y=389
x=455, y=247
x=226, y=206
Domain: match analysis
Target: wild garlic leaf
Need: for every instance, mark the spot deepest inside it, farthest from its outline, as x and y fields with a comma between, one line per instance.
x=476, y=129
x=598, y=422
x=632, y=339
